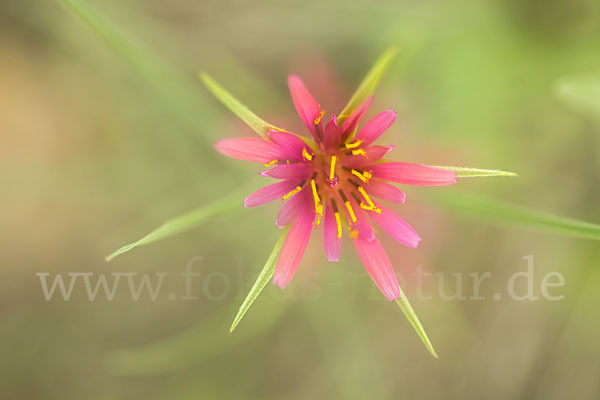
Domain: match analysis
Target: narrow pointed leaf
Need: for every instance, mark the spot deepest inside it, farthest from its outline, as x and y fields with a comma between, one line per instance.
x=258, y=125
x=414, y=321
x=369, y=83
x=175, y=90
x=263, y=279
x=502, y=212
x=465, y=172
x=184, y=222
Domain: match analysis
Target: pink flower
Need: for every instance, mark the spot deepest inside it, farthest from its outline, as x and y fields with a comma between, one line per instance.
x=335, y=181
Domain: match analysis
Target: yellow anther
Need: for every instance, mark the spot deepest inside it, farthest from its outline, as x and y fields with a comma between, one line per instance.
x=366, y=196
x=365, y=176
x=332, y=169
x=318, y=205
x=359, y=152
x=338, y=222
x=318, y=119
x=293, y=192
x=271, y=163
x=350, y=211
x=353, y=144
x=306, y=154
x=354, y=234
x=370, y=208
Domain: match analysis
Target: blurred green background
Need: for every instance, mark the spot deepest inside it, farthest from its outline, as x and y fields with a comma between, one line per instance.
x=104, y=139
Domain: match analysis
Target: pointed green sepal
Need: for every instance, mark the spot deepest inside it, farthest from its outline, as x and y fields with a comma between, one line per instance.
x=263, y=278
x=252, y=120
x=369, y=83
x=407, y=309
x=183, y=223
x=465, y=172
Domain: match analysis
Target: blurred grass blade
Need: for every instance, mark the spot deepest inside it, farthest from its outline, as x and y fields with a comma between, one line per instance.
x=184, y=222
x=496, y=210
x=175, y=90
x=263, y=278
x=414, y=321
x=199, y=344
x=258, y=125
x=581, y=92
x=369, y=83
x=465, y=172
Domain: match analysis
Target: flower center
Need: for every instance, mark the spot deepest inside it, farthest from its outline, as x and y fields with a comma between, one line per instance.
x=336, y=182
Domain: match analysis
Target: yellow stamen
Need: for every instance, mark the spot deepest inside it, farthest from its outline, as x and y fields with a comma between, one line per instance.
x=353, y=144
x=318, y=205
x=354, y=234
x=366, y=196
x=271, y=163
x=359, y=152
x=350, y=211
x=339, y=224
x=293, y=192
x=318, y=119
x=306, y=154
x=365, y=176
x=370, y=208
x=332, y=169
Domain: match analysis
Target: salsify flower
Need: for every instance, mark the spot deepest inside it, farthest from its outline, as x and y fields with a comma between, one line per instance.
x=335, y=180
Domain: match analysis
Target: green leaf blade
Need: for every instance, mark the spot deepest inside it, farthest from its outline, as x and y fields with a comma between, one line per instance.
x=410, y=314
x=263, y=278
x=252, y=120
x=466, y=172
x=369, y=83
x=476, y=205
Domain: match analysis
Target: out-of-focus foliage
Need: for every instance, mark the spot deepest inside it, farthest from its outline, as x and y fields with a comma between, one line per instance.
x=96, y=153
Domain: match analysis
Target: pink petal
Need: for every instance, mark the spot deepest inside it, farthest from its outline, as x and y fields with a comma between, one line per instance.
x=332, y=134
x=333, y=245
x=289, y=171
x=413, y=174
x=378, y=266
x=294, y=247
x=269, y=193
x=372, y=155
x=353, y=120
x=291, y=144
x=250, y=149
x=385, y=191
x=396, y=227
x=307, y=107
x=292, y=207
x=371, y=131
